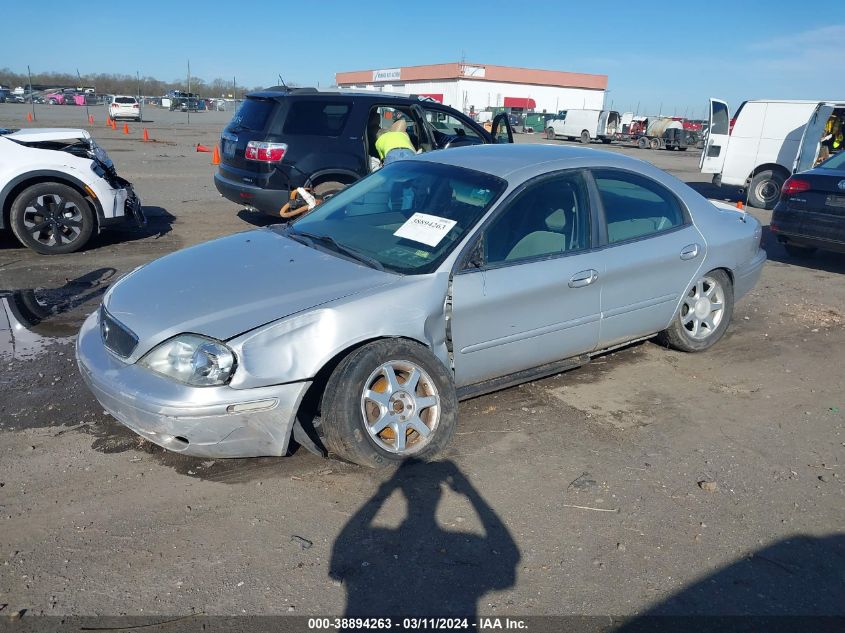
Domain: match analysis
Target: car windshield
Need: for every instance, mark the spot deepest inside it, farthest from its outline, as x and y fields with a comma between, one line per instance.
x=406, y=217
x=837, y=161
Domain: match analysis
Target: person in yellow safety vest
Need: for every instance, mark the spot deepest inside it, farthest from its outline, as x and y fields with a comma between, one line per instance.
x=395, y=144
x=833, y=137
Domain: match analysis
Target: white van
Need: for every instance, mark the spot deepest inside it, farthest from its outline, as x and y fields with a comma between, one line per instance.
x=586, y=125
x=764, y=143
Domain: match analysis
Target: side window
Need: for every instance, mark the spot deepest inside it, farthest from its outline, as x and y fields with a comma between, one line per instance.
x=450, y=125
x=720, y=122
x=635, y=206
x=317, y=118
x=551, y=217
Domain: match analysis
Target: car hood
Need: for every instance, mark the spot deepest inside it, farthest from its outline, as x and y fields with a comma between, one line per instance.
x=229, y=286
x=34, y=135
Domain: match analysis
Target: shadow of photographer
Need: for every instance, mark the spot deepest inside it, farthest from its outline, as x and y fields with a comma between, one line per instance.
x=420, y=569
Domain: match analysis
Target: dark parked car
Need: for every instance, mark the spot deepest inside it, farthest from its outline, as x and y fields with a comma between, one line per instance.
x=282, y=138
x=810, y=214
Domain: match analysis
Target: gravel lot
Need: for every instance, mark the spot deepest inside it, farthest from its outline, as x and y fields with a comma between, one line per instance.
x=647, y=481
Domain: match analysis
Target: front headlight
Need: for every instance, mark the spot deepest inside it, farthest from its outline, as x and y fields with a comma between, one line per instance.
x=192, y=359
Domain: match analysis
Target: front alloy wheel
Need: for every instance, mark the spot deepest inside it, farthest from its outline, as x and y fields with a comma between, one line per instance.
x=400, y=406
x=51, y=218
x=387, y=401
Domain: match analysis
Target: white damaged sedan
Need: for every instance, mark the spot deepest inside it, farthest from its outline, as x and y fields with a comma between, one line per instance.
x=358, y=328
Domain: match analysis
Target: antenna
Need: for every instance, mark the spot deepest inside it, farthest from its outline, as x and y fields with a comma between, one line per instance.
x=282, y=82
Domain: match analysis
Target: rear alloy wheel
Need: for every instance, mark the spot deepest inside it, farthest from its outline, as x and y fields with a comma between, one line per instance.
x=704, y=314
x=550, y=134
x=585, y=137
x=387, y=401
x=52, y=219
x=764, y=190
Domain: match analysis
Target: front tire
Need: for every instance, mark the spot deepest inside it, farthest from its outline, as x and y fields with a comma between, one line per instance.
x=704, y=314
x=52, y=219
x=764, y=190
x=387, y=401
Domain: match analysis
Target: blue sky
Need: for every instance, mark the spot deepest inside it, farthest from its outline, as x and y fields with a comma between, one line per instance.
x=652, y=55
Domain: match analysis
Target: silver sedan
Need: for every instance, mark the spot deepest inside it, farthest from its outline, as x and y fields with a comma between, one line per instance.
x=357, y=329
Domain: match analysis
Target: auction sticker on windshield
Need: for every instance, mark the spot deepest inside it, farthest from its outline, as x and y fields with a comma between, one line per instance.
x=425, y=228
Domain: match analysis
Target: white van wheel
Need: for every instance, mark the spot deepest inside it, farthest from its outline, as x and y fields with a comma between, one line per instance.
x=764, y=190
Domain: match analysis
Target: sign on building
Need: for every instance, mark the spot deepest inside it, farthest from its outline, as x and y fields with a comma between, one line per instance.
x=390, y=74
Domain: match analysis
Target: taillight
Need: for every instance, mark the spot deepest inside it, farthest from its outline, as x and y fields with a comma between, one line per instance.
x=135, y=105
x=265, y=152
x=731, y=126
x=794, y=185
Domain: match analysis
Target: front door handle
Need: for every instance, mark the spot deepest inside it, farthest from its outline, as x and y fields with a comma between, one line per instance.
x=690, y=251
x=584, y=278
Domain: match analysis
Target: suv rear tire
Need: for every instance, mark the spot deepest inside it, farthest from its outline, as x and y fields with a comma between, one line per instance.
x=329, y=188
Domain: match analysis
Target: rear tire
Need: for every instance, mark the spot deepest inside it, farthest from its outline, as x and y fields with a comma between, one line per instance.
x=799, y=251
x=654, y=143
x=368, y=404
x=764, y=190
x=550, y=134
x=704, y=314
x=328, y=188
x=642, y=142
x=585, y=137
x=52, y=219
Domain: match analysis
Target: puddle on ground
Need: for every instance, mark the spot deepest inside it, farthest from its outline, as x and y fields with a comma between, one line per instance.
x=33, y=319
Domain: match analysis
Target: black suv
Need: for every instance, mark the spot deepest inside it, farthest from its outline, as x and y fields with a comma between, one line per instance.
x=284, y=138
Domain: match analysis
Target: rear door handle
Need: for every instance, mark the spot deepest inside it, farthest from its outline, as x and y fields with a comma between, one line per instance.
x=584, y=278
x=690, y=251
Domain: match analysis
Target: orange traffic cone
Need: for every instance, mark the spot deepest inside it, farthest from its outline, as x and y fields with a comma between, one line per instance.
x=29, y=116
x=108, y=121
x=146, y=136
x=202, y=148
x=126, y=128
x=90, y=118
x=113, y=124
x=739, y=204
x=215, y=157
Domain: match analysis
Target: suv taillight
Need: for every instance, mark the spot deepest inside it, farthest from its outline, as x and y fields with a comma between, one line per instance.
x=793, y=186
x=265, y=152
x=135, y=105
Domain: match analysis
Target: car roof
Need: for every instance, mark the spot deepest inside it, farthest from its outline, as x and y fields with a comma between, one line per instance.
x=282, y=91
x=529, y=160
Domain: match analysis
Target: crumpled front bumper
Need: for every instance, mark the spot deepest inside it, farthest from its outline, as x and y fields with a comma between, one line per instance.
x=191, y=420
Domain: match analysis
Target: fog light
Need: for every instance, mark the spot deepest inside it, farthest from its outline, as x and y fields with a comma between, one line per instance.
x=258, y=405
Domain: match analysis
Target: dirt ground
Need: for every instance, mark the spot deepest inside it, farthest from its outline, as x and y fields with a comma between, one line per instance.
x=648, y=481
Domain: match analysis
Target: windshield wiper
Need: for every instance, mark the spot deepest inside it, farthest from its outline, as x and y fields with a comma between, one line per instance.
x=334, y=245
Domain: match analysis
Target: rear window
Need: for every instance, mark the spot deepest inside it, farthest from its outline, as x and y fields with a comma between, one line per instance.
x=125, y=100
x=253, y=114
x=317, y=118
